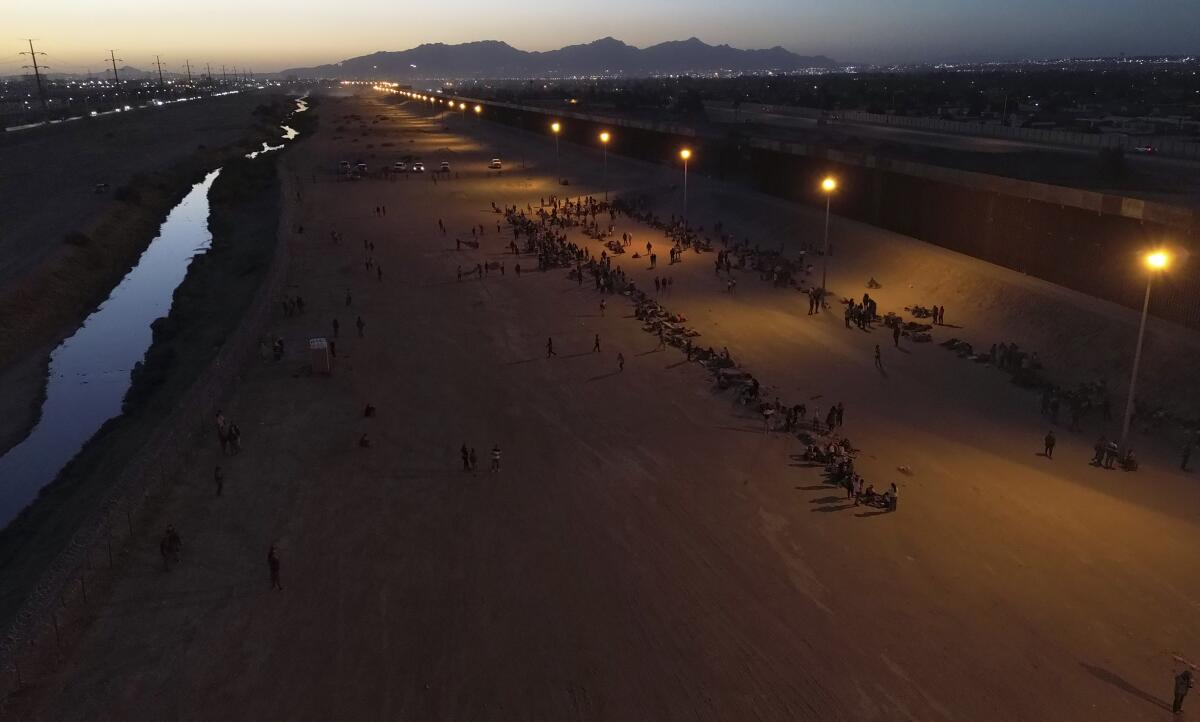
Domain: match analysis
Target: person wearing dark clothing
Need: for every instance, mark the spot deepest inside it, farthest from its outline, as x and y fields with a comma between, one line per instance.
x=620, y=362
x=1187, y=455
x=169, y=547
x=878, y=358
x=219, y=478
x=474, y=459
x=896, y=335
x=336, y=326
x=1183, y=684
x=360, y=325
x=466, y=458
x=273, y=567
x=1050, y=441
x=550, y=348
x=596, y=344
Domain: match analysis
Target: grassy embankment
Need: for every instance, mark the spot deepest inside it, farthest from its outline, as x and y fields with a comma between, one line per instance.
x=245, y=204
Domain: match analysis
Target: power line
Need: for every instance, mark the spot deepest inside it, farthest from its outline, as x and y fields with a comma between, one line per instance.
x=112, y=56
x=37, y=72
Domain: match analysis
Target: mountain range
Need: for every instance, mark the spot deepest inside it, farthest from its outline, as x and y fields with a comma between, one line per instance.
x=607, y=56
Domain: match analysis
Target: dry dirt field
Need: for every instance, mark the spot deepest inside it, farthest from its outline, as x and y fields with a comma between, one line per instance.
x=646, y=552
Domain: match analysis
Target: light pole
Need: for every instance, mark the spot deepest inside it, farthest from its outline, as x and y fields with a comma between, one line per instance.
x=604, y=137
x=478, y=111
x=829, y=185
x=463, y=107
x=556, y=128
x=685, y=154
x=1156, y=261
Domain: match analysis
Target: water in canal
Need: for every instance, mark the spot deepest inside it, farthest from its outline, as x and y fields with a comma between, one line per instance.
x=89, y=372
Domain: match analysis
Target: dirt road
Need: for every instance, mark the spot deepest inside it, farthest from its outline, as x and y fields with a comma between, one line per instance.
x=646, y=552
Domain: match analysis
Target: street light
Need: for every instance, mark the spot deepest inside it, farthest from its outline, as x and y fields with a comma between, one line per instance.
x=829, y=185
x=685, y=154
x=556, y=128
x=1155, y=261
x=604, y=137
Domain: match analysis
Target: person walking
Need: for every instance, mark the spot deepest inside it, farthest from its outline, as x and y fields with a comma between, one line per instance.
x=878, y=358
x=550, y=347
x=359, y=323
x=596, y=344
x=474, y=460
x=1049, y=444
x=620, y=362
x=603, y=305
x=466, y=457
x=1183, y=684
x=336, y=327
x=219, y=478
x=896, y=334
x=495, y=458
x=273, y=568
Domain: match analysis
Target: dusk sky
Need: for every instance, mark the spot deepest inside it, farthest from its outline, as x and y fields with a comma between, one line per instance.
x=77, y=33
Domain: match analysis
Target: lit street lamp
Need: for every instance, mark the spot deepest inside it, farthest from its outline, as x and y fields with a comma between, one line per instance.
x=685, y=154
x=604, y=137
x=478, y=111
x=829, y=185
x=556, y=128
x=1155, y=261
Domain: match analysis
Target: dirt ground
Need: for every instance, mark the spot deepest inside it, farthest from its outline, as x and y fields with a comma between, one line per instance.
x=646, y=552
x=65, y=162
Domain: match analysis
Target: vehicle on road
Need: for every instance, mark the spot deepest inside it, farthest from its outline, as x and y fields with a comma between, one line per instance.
x=495, y=164
x=445, y=167
x=360, y=169
x=1146, y=149
x=418, y=167
x=400, y=166
x=344, y=167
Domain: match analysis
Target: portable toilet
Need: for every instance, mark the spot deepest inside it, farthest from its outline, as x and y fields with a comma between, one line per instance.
x=318, y=353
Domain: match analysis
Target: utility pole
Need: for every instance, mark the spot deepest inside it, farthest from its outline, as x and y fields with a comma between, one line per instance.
x=37, y=73
x=224, y=78
x=208, y=68
x=188, y=64
x=158, y=62
x=113, y=58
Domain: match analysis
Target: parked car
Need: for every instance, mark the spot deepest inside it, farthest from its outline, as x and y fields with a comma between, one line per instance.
x=495, y=164
x=418, y=167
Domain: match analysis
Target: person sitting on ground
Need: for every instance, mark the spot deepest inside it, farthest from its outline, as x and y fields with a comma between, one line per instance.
x=369, y=411
x=364, y=442
x=1129, y=461
x=891, y=497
